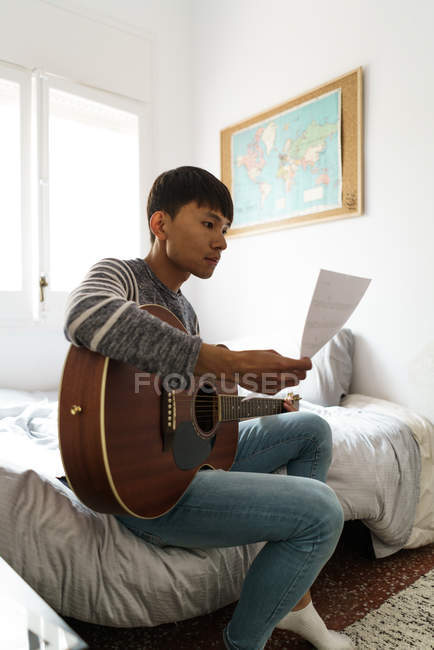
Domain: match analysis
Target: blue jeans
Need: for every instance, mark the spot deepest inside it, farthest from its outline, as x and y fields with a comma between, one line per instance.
x=298, y=515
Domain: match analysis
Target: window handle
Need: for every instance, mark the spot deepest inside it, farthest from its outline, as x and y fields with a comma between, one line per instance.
x=42, y=284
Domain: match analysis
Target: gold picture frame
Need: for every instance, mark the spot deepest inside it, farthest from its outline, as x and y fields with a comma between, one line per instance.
x=342, y=189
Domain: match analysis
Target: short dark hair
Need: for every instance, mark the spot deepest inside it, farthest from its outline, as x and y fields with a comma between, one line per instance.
x=175, y=188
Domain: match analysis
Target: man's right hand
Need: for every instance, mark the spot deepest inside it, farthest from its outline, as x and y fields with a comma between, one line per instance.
x=261, y=371
x=267, y=371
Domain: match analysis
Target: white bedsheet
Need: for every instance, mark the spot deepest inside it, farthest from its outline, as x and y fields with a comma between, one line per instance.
x=423, y=430
x=375, y=472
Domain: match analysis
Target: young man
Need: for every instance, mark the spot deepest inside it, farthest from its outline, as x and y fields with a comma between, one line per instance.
x=190, y=212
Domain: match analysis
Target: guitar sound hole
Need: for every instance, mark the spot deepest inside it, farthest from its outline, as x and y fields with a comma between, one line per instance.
x=205, y=407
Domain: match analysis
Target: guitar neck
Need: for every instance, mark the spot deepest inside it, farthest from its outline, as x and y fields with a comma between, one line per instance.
x=234, y=407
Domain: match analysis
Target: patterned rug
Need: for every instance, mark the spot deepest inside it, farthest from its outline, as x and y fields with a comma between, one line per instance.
x=404, y=621
x=352, y=586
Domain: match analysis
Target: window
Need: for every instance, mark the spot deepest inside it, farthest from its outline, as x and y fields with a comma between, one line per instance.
x=94, y=186
x=11, y=258
x=14, y=192
x=85, y=161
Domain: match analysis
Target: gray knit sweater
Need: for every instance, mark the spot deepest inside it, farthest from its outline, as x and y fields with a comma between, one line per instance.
x=103, y=314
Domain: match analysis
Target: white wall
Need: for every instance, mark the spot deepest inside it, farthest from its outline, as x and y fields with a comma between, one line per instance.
x=207, y=64
x=139, y=49
x=253, y=55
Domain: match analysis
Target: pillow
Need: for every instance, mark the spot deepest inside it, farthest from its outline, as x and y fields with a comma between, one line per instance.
x=332, y=367
x=329, y=380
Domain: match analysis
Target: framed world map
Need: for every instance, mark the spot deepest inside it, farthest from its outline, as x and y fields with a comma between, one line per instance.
x=297, y=163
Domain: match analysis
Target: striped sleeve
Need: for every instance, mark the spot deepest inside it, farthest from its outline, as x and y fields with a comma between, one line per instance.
x=103, y=314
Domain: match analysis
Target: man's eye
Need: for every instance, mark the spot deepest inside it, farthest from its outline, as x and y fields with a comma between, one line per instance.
x=208, y=223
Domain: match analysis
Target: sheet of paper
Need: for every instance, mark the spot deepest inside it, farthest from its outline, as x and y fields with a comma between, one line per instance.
x=334, y=299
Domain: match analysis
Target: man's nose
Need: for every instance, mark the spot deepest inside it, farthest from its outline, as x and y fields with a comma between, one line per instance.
x=221, y=242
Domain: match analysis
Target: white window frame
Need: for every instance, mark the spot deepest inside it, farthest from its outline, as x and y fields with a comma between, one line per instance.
x=52, y=308
x=25, y=307
x=16, y=307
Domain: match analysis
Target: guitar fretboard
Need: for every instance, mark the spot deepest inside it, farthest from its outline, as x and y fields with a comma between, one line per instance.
x=234, y=407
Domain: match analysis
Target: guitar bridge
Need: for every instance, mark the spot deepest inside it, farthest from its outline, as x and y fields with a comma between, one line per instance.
x=168, y=418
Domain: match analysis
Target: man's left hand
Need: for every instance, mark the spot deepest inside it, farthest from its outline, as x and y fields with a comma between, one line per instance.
x=290, y=404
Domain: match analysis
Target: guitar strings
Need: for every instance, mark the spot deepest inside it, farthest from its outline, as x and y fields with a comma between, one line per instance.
x=238, y=397
x=214, y=399
x=204, y=397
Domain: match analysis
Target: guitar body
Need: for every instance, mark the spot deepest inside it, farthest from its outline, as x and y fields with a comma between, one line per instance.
x=130, y=444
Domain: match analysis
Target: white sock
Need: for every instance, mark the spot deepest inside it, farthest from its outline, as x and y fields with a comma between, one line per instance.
x=308, y=623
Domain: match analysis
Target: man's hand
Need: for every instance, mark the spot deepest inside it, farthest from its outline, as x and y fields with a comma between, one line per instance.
x=290, y=405
x=267, y=371
x=261, y=371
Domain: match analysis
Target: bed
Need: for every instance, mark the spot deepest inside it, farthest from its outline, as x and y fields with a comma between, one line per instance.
x=87, y=566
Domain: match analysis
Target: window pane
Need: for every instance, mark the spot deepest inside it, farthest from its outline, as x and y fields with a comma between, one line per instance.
x=10, y=187
x=94, y=186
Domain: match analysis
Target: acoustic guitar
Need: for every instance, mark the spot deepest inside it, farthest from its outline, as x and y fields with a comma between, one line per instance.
x=131, y=443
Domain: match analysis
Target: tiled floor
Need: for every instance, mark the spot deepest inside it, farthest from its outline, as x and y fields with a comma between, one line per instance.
x=349, y=586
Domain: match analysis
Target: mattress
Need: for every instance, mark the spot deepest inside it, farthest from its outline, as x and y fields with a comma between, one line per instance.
x=88, y=566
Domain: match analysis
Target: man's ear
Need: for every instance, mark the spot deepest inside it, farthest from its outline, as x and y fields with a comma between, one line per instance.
x=157, y=225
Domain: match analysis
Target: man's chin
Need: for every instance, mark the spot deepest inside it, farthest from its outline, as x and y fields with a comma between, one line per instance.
x=203, y=274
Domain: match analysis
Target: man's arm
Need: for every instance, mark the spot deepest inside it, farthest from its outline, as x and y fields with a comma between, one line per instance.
x=264, y=371
x=103, y=315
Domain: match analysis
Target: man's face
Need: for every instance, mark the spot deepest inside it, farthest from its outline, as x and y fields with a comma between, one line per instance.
x=196, y=237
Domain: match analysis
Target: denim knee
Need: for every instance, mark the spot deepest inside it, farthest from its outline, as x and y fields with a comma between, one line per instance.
x=331, y=518
x=320, y=428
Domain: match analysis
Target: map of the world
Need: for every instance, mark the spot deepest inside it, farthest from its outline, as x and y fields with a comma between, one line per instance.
x=290, y=164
